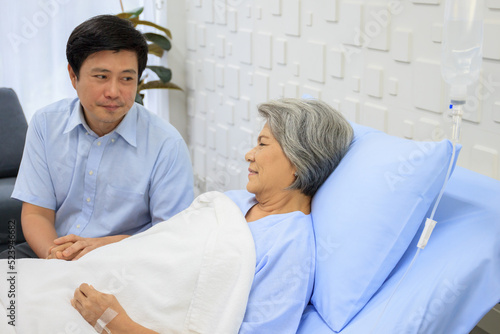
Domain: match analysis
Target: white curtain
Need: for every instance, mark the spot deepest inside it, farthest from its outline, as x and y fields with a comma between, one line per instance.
x=33, y=36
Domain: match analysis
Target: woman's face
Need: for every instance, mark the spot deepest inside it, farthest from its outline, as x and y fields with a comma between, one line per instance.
x=270, y=171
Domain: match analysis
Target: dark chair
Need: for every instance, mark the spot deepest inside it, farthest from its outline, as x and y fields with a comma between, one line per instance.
x=13, y=127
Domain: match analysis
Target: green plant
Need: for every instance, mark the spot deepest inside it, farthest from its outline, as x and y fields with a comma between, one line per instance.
x=159, y=43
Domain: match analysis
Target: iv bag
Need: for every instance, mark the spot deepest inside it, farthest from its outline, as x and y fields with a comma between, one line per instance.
x=462, y=47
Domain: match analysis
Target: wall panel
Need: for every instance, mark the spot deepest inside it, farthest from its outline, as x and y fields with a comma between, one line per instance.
x=376, y=61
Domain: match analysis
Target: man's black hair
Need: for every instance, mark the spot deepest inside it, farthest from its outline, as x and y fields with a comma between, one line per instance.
x=105, y=32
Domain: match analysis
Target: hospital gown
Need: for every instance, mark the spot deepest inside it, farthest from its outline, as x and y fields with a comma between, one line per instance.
x=284, y=271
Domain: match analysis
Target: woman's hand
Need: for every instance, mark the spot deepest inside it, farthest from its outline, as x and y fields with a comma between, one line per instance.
x=91, y=304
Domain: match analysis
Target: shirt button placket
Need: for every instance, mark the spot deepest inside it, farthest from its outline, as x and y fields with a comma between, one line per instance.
x=94, y=159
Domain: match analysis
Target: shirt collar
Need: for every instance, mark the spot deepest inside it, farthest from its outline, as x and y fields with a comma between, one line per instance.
x=75, y=118
x=127, y=128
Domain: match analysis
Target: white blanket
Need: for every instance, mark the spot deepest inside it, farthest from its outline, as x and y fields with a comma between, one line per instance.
x=190, y=274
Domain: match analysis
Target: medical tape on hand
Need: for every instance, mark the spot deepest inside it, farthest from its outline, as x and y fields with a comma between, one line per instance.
x=105, y=319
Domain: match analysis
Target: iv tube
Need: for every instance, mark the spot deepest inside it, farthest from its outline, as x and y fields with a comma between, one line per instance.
x=460, y=66
x=462, y=56
x=461, y=59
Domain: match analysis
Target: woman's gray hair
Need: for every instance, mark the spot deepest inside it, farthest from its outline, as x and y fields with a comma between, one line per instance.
x=313, y=136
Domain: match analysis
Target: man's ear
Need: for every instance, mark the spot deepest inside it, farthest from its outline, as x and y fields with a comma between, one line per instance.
x=72, y=76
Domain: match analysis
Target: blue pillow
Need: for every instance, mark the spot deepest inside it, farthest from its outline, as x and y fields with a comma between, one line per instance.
x=366, y=214
x=453, y=282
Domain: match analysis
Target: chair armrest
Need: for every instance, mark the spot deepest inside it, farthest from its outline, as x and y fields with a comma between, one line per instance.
x=10, y=211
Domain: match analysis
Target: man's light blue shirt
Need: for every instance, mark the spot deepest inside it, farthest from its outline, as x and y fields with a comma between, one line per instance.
x=121, y=183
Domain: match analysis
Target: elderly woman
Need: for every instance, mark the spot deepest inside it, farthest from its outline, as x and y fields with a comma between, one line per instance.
x=300, y=145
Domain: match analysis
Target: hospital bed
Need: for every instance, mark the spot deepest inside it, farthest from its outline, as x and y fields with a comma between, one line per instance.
x=368, y=217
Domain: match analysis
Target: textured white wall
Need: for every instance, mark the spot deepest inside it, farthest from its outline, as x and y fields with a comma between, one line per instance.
x=378, y=62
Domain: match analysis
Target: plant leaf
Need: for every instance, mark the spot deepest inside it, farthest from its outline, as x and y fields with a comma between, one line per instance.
x=157, y=84
x=160, y=40
x=134, y=13
x=125, y=16
x=136, y=21
x=154, y=49
x=139, y=98
x=165, y=74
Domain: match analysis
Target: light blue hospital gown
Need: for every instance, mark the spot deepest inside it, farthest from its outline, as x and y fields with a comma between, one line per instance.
x=284, y=271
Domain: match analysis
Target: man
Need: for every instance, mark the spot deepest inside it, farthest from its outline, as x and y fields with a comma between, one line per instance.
x=99, y=168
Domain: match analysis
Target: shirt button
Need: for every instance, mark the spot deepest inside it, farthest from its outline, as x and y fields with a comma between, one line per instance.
x=88, y=199
x=113, y=140
x=78, y=226
x=86, y=133
x=98, y=143
x=91, y=172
